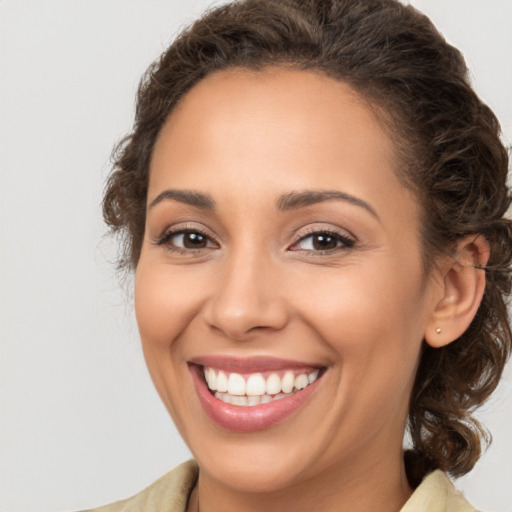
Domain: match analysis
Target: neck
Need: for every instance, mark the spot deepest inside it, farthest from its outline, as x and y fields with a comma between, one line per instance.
x=354, y=487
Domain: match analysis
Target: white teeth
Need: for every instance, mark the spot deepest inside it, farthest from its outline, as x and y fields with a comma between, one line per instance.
x=239, y=400
x=210, y=378
x=249, y=401
x=222, y=396
x=222, y=382
x=236, y=384
x=254, y=400
x=273, y=384
x=232, y=388
x=256, y=385
x=288, y=382
x=301, y=381
x=265, y=399
x=312, y=376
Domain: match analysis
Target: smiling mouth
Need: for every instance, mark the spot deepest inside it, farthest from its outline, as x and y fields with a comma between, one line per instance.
x=252, y=389
x=253, y=394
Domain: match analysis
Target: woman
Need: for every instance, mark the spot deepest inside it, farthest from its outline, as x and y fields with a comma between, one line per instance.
x=313, y=202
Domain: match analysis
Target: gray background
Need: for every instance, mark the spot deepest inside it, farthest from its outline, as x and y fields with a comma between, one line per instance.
x=81, y=424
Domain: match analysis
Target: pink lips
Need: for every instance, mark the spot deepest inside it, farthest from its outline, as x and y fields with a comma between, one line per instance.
x=257, y=417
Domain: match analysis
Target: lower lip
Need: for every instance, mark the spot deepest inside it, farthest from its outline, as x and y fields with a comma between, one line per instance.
x=252, y=418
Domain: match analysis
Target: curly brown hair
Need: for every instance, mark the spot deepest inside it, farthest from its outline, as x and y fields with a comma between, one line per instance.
x=448, y=143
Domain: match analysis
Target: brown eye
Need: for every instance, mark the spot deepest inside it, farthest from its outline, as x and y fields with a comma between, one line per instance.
x=186, y=240
x=323, y=241
x=194, y=240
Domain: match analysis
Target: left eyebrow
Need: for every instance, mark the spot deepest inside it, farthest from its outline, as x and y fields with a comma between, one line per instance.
x=295, y=200
x=190, y=197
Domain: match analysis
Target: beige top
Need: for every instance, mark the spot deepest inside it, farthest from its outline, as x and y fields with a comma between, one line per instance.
x=170, y=494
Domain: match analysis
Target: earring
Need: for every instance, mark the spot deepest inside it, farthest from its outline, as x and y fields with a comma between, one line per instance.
x=438, y=330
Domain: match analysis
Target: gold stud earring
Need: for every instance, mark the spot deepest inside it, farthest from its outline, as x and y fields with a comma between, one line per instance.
x=438, y=330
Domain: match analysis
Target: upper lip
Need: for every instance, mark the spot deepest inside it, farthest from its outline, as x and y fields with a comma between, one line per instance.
x=250, y=364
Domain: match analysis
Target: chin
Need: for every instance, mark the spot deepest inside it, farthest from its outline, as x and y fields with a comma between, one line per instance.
x=254, y=470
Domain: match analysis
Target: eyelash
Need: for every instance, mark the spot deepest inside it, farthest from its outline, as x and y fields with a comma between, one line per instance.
x=343, y=242
x=165, y=239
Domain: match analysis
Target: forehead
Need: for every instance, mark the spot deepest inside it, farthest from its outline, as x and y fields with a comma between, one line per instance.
x=281, y=128
x=295, y=102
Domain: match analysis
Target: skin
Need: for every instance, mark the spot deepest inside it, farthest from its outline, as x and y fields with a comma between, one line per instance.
x=260, y=288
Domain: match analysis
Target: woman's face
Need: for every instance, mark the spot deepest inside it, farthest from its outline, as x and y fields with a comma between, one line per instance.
x=281, y=252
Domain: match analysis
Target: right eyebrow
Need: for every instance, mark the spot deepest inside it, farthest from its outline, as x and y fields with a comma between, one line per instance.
x=295, y=200
x=196, y=199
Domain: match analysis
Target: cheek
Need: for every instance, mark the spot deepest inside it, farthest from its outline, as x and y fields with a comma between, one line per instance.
x=372, y=326
x=165, y=302
x=366, y=312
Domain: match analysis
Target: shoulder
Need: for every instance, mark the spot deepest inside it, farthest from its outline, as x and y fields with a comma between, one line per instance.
x=437, y=493
x=170, y=492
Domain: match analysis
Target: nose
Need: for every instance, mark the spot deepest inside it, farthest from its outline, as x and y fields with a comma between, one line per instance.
x=247, y=298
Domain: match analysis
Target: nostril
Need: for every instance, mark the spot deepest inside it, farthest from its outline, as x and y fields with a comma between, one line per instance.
x=244, y=300
x=245, y=318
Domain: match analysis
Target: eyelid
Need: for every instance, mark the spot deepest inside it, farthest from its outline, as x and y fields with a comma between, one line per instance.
x=347, y=239
x=172, y=231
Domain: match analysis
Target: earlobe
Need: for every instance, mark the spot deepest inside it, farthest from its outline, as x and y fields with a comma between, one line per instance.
x=462, y=287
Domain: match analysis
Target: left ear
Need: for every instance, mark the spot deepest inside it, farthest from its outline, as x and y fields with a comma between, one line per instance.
x=462, y=285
